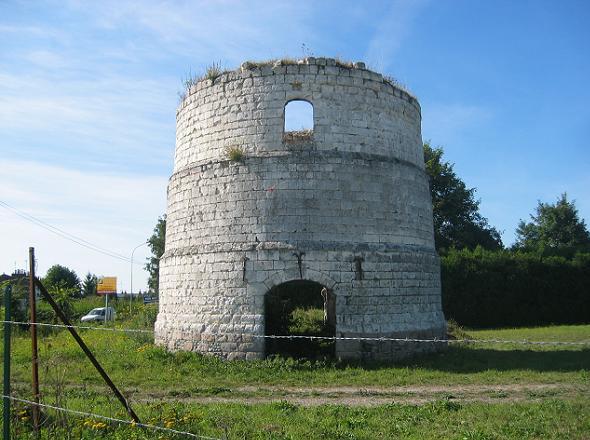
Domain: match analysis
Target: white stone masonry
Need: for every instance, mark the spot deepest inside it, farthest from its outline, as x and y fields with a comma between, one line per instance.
x=354, y=193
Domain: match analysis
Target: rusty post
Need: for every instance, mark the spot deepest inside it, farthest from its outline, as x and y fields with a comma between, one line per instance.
x=60, y=314
x=35, y=357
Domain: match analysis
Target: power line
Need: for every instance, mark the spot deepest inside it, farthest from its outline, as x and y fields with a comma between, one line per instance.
x=63, y=234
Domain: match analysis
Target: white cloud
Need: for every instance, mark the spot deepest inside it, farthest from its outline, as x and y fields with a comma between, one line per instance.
x=230, y=31
x=119, y=118
x=46, y=59
x=32, y=31
x=113, y=211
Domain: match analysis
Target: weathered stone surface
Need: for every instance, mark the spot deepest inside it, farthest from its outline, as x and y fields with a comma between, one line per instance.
x=357, y=189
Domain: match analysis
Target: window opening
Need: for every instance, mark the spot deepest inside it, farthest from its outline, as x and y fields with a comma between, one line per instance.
x=298, y=121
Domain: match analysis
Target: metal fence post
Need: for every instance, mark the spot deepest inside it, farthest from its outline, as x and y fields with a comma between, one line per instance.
x=6, y=389
x=59, y=312
x=35, y=355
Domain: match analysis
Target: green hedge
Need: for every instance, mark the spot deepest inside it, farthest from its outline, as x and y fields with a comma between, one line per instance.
x=502, y=288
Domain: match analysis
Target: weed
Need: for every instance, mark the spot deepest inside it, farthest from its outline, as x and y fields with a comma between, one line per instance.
x=344, y=64
x=190, y=80
x=287, y=421
x=445, y=405
x=291, y=137
x=387, y=79
x=288, y=61
x=535, y=394
x=187, y=82
x=251, y=65
x=455, y=331
x=476, y=434
x=213, y=72
x=235, y=153
x=286, y=407
x=498, y=394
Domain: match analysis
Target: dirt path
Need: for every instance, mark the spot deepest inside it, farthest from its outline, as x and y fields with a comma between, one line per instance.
x=372, y=396
x=351, y=396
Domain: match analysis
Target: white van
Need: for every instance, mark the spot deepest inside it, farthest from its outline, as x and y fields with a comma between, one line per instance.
x=98, y=314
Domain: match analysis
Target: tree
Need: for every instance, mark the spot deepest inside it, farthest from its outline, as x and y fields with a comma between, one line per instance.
x=157, y=244
x=89, y=284
x=63, y=295
x=19, y=296
x=457, y=221
x=556, y=229
x=63, y=277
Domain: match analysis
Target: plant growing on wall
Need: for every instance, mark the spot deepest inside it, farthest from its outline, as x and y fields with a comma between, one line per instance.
x=213, y=72
x=235, y=153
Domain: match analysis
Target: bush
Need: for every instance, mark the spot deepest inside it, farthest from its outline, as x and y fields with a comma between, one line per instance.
x=235, y=154
x=502, y=288
x=307, y=321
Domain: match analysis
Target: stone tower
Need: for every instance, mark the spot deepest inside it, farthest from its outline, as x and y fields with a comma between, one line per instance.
x=346, y=206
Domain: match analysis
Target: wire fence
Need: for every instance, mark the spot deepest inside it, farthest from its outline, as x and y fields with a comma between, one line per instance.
x=58, y=391
x=110, y=419
x=326, y=338
x=57, y=388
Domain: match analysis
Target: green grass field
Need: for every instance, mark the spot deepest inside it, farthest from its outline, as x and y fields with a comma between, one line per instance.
x=471, y=391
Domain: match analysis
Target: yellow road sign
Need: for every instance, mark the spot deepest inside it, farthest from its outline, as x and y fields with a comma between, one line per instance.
x=106, y=285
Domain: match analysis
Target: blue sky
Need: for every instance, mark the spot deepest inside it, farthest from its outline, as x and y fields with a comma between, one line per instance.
x=88, y=94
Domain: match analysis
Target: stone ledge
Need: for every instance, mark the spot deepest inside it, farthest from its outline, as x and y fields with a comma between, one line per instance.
x=305, y=157
x=301, y=245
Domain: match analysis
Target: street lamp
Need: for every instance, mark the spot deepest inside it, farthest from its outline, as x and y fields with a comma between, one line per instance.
x=131, y=293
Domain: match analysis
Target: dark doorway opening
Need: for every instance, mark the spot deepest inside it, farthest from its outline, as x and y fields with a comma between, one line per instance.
x=300, y=308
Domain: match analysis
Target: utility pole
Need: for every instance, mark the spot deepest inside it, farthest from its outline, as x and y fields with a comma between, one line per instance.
x=35, y=358
x=131, y=292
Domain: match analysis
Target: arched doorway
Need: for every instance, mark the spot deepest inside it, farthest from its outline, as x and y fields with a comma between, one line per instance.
x=300, y=308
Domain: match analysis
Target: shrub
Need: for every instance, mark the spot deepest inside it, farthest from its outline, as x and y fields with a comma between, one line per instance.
x=235, y=154
x=501, y=288
x=307, y=321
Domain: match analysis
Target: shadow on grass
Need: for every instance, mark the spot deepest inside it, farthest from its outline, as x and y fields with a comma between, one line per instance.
x=469, y=360
x=460, y=360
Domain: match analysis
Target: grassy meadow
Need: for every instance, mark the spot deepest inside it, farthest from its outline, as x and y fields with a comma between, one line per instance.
x=470, y=391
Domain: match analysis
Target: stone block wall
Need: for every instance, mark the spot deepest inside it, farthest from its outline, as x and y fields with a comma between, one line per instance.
x=356, y=191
